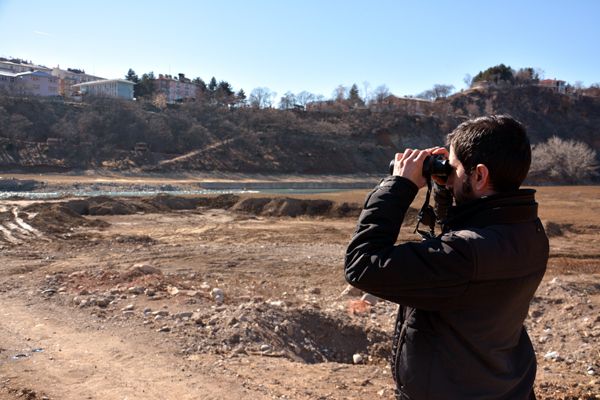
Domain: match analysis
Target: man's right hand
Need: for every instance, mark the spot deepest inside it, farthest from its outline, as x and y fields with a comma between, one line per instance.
x=409, y=165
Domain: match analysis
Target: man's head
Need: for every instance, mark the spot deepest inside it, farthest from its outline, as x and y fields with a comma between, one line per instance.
x=489, y=155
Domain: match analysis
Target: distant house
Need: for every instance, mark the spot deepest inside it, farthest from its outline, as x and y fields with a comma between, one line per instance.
x=115, y=88
x=175, y=89
x=67, y=79
x=554, y=84
x=16, y=67
x=7, y=81
x=36, y=83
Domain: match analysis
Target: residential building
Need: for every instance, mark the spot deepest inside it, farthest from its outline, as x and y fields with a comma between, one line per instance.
x=7, y=81
x=116, y=88
x=554, y=84
x=68, y=78
x=175, y=89
x=36, y=83
x=21, y=67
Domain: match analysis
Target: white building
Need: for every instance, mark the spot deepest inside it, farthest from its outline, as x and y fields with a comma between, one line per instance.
x=115, y=88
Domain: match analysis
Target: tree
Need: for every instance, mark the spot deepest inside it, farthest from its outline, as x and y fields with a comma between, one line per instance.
x=212, y=85
x=526, y=76
x=339, y=93
x=261, y=97
x=304, y=97
x=354, y=96
x=495, y=74
x=145, y=87
x=132, y=76
x=438, y=91
x=381, y=92
x=201, y=84
x=468, y=80
x=241, y=98
x=563, y=161
x=441, y=91
x=287, y=101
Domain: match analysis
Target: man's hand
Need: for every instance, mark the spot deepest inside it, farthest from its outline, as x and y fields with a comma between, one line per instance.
x=442, y=151
x=409, y=165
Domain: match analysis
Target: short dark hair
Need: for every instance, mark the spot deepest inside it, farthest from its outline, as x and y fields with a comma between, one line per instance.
x=500, y=143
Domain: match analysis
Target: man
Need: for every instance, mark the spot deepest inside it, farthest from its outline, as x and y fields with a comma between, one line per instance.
x=463, y=295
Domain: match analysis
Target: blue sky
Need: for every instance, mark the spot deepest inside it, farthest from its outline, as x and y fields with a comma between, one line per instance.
x=308, y=45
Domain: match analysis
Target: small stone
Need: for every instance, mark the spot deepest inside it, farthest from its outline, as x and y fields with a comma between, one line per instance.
x=165, y=328
x=144, y=269
x=162, y=313
x=369, y=298
x=172, y=290
x=265, y=348
x=357, y=358
x=128, y=313
x=204, y=286
x=217, y=295
x=147, y=310
x=128, y=307
x=542, y=339
x=103, y=302
x=136, y=290
x=182, y=315
x=552, y=355
x=150, y=292
x=314, y=290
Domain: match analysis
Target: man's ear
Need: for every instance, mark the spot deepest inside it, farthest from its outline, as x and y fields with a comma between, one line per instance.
x=481, y=181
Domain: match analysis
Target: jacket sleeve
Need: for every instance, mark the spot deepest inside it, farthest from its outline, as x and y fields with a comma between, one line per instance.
x=429, y=275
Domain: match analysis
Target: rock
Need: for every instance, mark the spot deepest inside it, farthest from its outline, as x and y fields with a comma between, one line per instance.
x=314, y=290
x=103, y=302
x=172, y=290
x=165, y=328
x=351, y=291
x=147, y=310
x=182, y=315
x=204, y=286
x=265, y=348
x=84, y=292
x=552, y=355
x=217, y=295
x=136, y=290
x=197, y=318
x=128, y=307
x=143, y=269
x=150, y=292
x=162, y=313
x=357, y=359
x=128, y=313
x=369, y=298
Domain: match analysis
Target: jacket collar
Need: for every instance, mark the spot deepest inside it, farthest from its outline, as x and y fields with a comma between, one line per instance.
x=500, y=208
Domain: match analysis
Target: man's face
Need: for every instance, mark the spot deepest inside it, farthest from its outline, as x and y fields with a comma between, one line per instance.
x=459, y=182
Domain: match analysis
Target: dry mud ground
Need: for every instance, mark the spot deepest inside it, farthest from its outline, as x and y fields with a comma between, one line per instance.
x=220, y=303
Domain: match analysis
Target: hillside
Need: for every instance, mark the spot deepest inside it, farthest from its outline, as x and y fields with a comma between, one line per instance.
x=103, y=133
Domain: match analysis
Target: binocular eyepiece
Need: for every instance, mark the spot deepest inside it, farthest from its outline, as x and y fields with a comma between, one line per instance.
x=432, y=165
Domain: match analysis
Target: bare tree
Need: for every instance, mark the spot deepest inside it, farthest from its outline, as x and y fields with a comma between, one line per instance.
x=304, y=97
x=563, y=161
x=340, y=93
x=287, y=101
x=468, y=80
x=380, y=93
x=261, y=97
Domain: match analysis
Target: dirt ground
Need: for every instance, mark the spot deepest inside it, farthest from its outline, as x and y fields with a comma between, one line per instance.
x=233, y=298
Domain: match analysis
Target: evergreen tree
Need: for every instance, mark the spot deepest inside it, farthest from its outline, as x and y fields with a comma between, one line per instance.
x=354, y=96
x=132, y=76
x=212, y=85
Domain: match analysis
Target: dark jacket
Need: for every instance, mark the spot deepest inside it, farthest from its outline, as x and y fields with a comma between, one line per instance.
x=464, y=295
